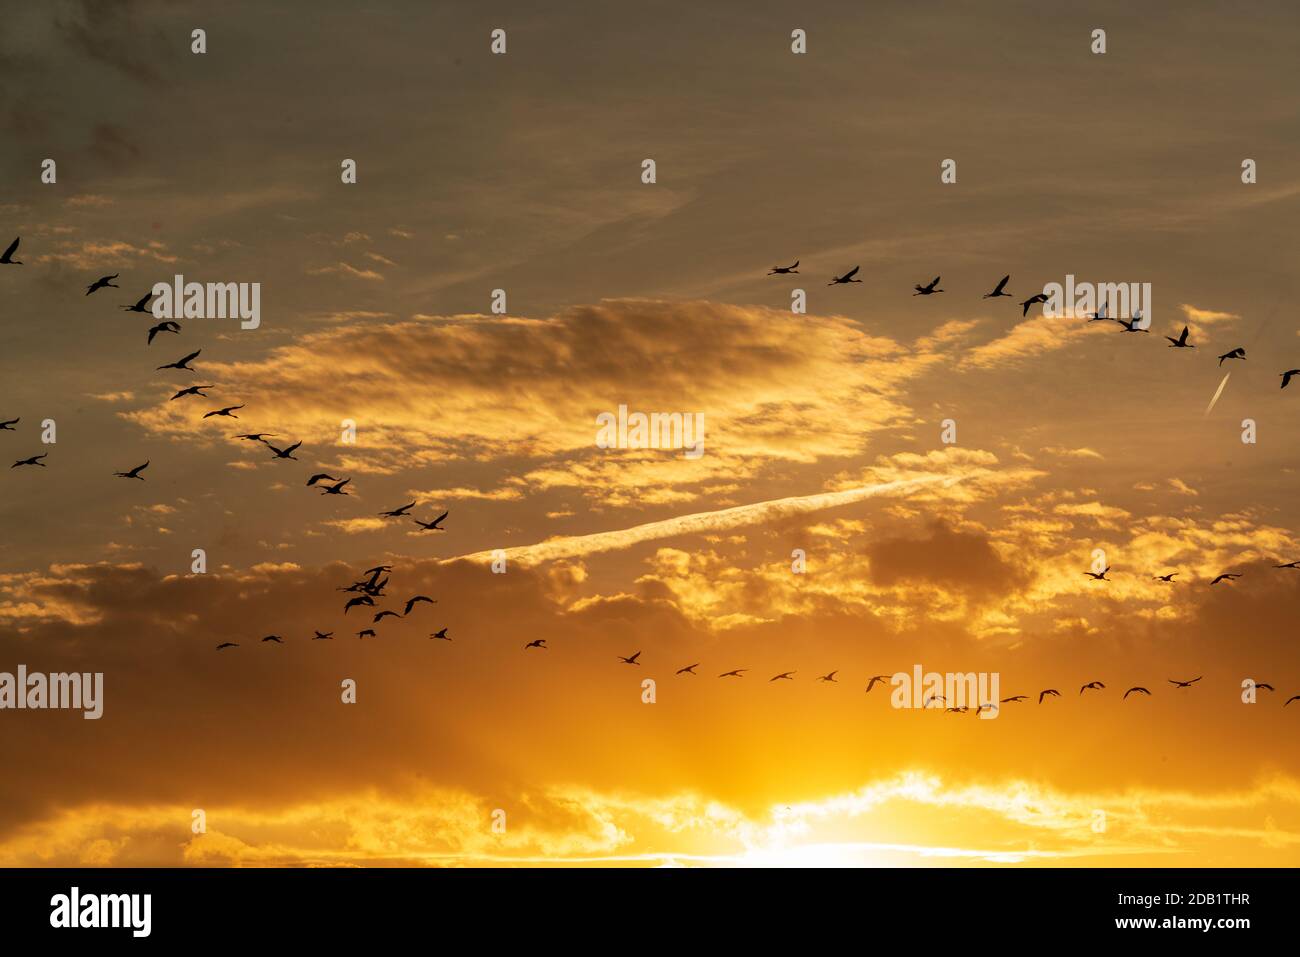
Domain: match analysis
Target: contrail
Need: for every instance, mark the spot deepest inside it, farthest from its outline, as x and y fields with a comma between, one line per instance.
x=1209, y=408
x=571, y=546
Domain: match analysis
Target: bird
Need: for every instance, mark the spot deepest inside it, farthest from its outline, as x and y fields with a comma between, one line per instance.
x=9, y=425
x=441, y=633
x=1052, y=691
x=359, y=600
x=276, y=638
x=1181, y=342
x=434, y=525
x=1013, y=699
x=632, y=660
x=787, y=675
x=252, y=436
x=784, y=270
x=1099, y=576
x=875, y=679
x=1184, y=684
x=142, y=305
x=336, y=488
x=194, y=390
x=412, y=602
x=284, y=453
x=165, y=326
x=7, y=259
x=398, y=512
x=227, y=644
x=536, y=643
x=999, y=289
x=319, y=476
x=182, y=363
x=133, y=473
x=322, y=636
x=377, y=570
x=34, y=460
x=1294, y=697
x=1101, y=314
x=384, y=614
x=101, y=282
x=228, y=412
x=688, y=670
x=846, y=278
x=933, y=698
x=1094, y=685
x=1288, y=375
x=929, y=290
x=1226, y=576
x=1265, y=685
x=1289, y=565
x=737, y=673
x=1131, y=325
x=962, y=709
x=1139, y=689
x=1164, y=578
x=1024, y=306
x=366, y=633
x=1237, y=353
x=830, y=676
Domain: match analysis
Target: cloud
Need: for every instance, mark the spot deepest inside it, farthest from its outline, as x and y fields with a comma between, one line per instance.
x=344, y=269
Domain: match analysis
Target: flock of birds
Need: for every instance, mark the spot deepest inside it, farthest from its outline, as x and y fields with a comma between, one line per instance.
x=371, y=586
x=1132, y=324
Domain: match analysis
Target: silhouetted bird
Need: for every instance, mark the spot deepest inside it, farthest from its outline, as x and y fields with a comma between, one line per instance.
x=276, y=638
x=252, y=436
x=8, y=258
x=737, y=673
x=101, y=283
x=227, y=644
x=1184, y=684
x=385, y=614
x=688, y=670
x=630, y=660
x=1137, y=689
x=9, y=425
x=1052, y=691
x=336, y=488
x=142, y=305
x=786, y=675
x=1131, y=325
x=1295, y=564
x=440, y=633
x=284, y=453
x=366, y=633
x=34, y=460
x=1024, y=306
x=194, y=390
x=165, y=326
x=876, y=679
x=228, y=412
x=1288, y=376
x=847, y=277
x=412, y=602
x=360, y=600
x=784, y=270
x=929, y=290
x=999, y=289
x=1094, y=685
x=1237, y=353
x=398, y=512
x=1099, y=576
x=182, y=363
x=322, y=636
x=536, y=643
x=1164, y=578
x=1294, y=697
x=435, y=525
x=1226, y=576
x=1016, y=699
x=319, y=477
x=133, y=473
x=1265, y=685
x=1181, y=342
x=830, y=676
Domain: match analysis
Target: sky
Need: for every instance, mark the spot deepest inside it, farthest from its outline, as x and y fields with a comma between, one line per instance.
x=886, y=481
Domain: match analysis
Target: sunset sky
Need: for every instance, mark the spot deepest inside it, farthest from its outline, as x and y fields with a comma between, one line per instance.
x=523, y=172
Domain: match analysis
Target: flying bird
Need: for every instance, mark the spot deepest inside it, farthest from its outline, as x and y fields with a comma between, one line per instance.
x=1137, y=689
x=412, y=602
x=1099, y=576
x=366, y=633
x=1184, y=684
x=1265, y=685
x=536, y=643
x=631, y=660
x=8, y=258
x=227, y=644
x=228, y=412
x=737, y=673
x=999, y=289
x=435, y=525
x=846, y=278
x=284, y=453
x=1181, y=342
x=875, y=679
x=1288, y=376
x=933, y=698
x=360, y=600
x=251, y=436
x=102, y=282
x=322, y=636
x=1014, y=698
x=1164, y=578
x=195, y=390
x=336, y=488
x=441, y=633
x=1024, y=306
x=1094, y=685
x=1052, y=691
x=133, y=473
x=318, y=477
x=34, y=460
x=384, y=614
x=182, y=363
x=784, y=270
x=142, y=305
x=276, y=638
x=1226, y=576
x=830, y=676
x=1131, y=325
x=1294, y=697
x=688, y=670
x=398, y=512
x=1289, y=565
x=1237, y=353
x=929, y=290
x=9, y=425
x=787, y=675
x=165, y=326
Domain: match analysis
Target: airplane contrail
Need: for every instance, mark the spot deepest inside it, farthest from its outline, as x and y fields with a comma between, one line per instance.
x=1209, y=408
x=571, y=546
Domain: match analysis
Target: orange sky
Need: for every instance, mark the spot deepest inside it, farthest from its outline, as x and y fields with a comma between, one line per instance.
x=823, y=433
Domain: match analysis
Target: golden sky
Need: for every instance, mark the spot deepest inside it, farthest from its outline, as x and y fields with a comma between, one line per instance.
x=823, y=433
